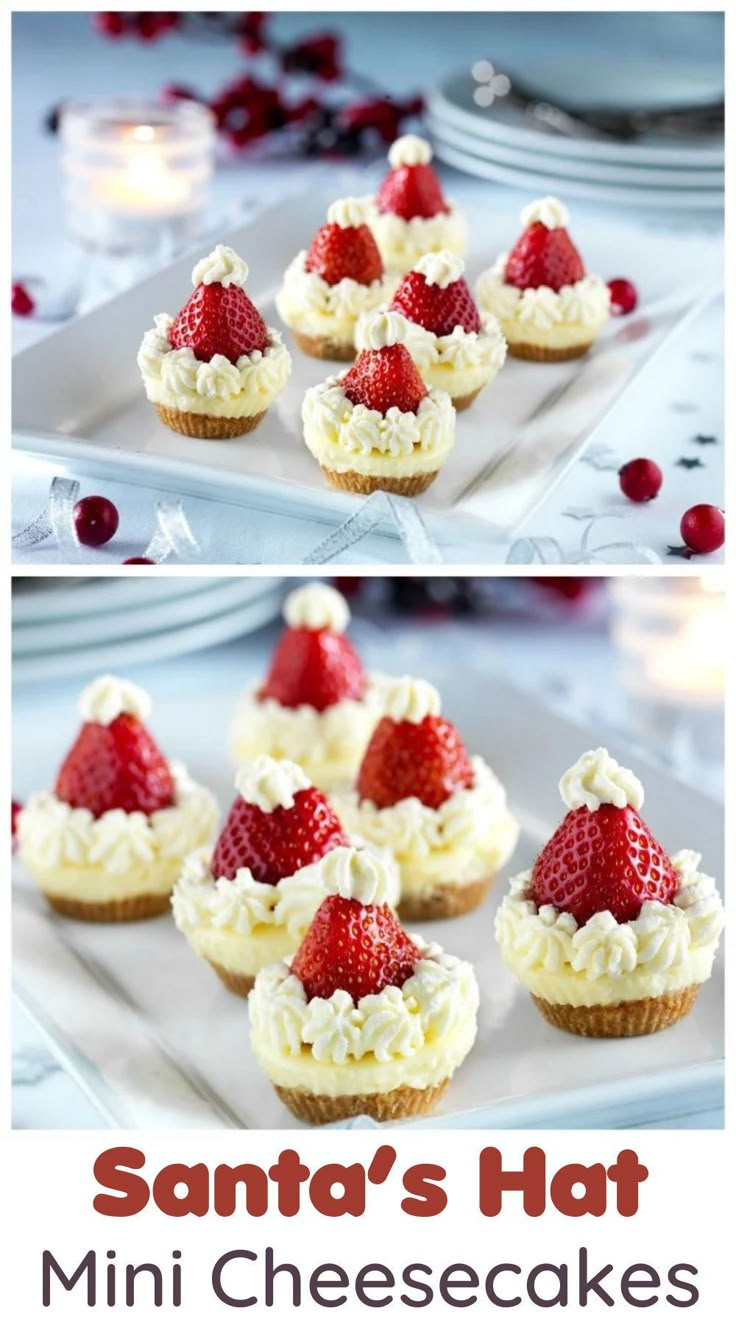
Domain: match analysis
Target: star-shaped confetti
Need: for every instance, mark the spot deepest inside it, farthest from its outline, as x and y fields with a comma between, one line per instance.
x=684, y=552
x=705, y=439
x=689, y=462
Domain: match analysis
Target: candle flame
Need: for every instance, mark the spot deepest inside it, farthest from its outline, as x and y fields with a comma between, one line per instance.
x=144, y=133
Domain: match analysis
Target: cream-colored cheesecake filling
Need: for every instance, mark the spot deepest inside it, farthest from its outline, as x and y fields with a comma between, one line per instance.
x=328, y=744
x=402, y=243
x=469, y=838
x=343, y=436
x=668, y=947
x=244, y=924
x=551, y=319
x=460, y=363
x=221, y=389
x=306, y=302
x=416, y=1035
x=69, y=853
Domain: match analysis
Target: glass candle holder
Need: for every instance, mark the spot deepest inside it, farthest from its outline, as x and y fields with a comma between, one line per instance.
x=671, y=641
x=136, y=173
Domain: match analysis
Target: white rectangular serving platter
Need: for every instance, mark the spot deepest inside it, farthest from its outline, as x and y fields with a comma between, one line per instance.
x=78, y=399
x=156, y=1041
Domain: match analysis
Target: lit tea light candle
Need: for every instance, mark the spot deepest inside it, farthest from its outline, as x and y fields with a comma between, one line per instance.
x=136, y=170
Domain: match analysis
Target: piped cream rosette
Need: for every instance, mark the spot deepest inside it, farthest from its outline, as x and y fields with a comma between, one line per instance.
x=328, y=744
x=403, y=242
x=117, y=861
x=399, y=451
x=240, y=925
x=327, y=314
x=554, y=320
x=631, y=978
x=175, y=379
x=447, y=857
x=389, y=1054
x=462, y=362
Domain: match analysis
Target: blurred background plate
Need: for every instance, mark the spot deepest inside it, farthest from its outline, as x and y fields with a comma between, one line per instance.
x=148, y=633
x=36, y=599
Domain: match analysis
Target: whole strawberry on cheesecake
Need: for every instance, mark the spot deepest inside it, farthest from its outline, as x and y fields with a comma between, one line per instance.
x=548, y=306
x=214, y=369
x=109, y=841
x=282, y=849
x=364, y=1019
x=610, y=935
x=377, y=427
x=411, y=215
x=317, y=706
x=327, y=287
x=442, y=814
x=455, y=349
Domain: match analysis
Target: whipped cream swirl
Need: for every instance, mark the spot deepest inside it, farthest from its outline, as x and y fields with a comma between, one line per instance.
x=317, y=606
x=332, y=421
x=270, y=783
x=105, y=698
x=596, y=779
x=223, y=266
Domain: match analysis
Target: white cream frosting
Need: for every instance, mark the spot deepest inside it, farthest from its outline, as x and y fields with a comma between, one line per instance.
x=317, y=606
x=382, y=329
x=417, y=1034
x=411, y=699
x=596, y=779
x=177, y=379
x=403, y=242
x=458, y=363
x=237, y=918
x=343, y=436
x=409, y=150
x=555, y=318
x=550, y=211
x=71, y=852
x=349, y=212
x=105, y=698
x=441, y=269
x=223, y=266
x=668, y=947
x=307, y=303
x=328, y=744
x=468, y=838
x=270, y=784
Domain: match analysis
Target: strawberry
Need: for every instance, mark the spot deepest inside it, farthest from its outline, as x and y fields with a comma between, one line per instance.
x=360, y=949
x=438, y=308
x=316, y=667
x=411, y=191
x=337, y=252
x=603, y=860
x=115, y=767
x=381, y=378
x=425, y=759
x=274, y=846
x=544, y=257
x=219, y=319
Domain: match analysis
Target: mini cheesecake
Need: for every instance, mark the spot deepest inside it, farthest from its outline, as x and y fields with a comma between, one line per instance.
x=365, y=1019
x=442, y=814
x=611, y=936
x=411, y=215
x=214, y=369
x=327, y=287
x=317, y=706
x=548, y=306
x=109, y=841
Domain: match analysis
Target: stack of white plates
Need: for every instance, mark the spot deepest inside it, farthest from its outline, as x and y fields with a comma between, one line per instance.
x=500, y=142
x=65, y=627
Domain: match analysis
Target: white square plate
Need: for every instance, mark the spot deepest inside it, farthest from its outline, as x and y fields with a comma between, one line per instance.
x=78, y=398
x=157, y=1041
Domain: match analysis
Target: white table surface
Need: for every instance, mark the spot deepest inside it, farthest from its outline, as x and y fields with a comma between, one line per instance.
x=537, y=657
x=680, y=396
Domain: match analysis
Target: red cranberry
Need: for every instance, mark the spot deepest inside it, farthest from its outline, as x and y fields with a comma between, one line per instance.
x=624, y=296
x=95, y=520
x=15, y=809
x=138, y=561
x=20, y=301
x=110, y=23
x=640, y=480
x=703, y=528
